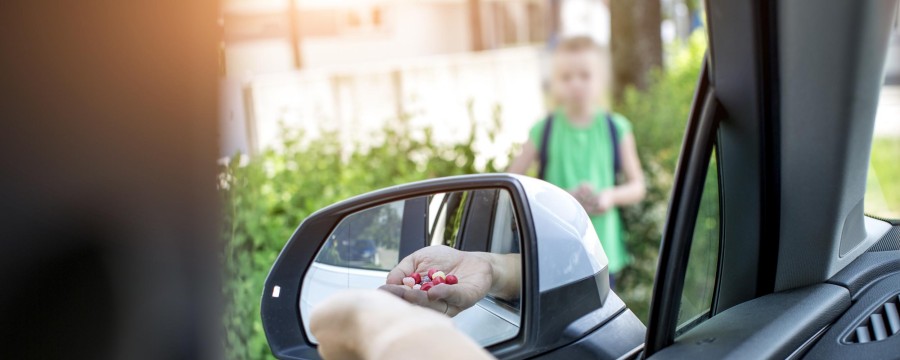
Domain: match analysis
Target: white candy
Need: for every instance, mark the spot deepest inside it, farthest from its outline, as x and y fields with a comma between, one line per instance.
x=408, y=281
x=417, y=287
x=438, y=274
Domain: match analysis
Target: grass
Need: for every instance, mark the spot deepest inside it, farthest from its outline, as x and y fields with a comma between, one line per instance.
x=883, y=184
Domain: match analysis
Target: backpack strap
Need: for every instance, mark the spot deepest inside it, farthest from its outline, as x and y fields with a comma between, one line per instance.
x=614, y=136
x=545, y=140
x=542, y=151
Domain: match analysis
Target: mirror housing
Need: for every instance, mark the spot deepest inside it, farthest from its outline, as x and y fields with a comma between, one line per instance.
x=565, y=286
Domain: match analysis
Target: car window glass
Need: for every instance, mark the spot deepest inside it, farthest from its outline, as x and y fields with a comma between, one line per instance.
x=883, y=179
x=700, y=278
x=505, y=235
x=505, y=239
x=436, y=215
x=444, y=226
x=369, y=239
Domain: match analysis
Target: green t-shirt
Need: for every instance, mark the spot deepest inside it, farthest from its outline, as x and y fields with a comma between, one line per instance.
x=584, y=154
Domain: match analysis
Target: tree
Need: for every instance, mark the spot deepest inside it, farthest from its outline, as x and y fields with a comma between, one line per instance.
x=474, y=7
x=294, y=19
x=635, y=44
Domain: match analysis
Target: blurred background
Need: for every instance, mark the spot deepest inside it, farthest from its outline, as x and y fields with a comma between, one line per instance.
x=321, y=100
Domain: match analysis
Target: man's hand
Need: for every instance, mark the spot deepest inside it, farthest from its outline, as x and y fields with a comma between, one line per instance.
x=373, y=325
x=474, y=270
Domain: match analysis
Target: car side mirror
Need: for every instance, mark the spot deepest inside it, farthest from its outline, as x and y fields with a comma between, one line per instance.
x=565, y=290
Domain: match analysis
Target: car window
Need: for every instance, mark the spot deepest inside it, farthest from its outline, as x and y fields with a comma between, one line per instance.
x=883, y=179
x=703, y=260
x=445, y=213
x=505, y=240
x=369, y=239
x=505, y=234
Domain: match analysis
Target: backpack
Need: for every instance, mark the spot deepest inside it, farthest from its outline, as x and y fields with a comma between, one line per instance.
x=545, y=137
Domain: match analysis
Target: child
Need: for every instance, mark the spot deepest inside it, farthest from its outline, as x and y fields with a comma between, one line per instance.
x=586, y=147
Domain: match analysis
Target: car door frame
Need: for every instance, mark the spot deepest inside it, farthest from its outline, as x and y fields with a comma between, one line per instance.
x=690, y=175
x=739, y=74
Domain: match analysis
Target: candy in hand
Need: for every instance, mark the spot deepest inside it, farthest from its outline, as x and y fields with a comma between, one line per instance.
x=451, y=280
x=437, y=274
x=434, y=278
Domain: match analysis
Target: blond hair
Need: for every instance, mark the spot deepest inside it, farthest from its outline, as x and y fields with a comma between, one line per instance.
x=576, y=44
x=583, y=44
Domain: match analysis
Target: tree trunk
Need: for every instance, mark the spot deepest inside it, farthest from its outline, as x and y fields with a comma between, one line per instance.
x=475, y=25
x=635, y=43
x=293, y=18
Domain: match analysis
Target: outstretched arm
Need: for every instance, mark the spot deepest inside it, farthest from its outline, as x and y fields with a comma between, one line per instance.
x=630, y=192
x=506, y=274
x=634, y=188
x=523, y=161
x=373, y=325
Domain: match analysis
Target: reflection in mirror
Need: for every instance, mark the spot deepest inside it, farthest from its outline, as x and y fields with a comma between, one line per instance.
x=365, y=246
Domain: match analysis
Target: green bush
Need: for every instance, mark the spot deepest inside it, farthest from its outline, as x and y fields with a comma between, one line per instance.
x=268, y=195
x=659, y=116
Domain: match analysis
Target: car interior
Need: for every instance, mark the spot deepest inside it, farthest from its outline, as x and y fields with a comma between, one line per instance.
x=788, y=102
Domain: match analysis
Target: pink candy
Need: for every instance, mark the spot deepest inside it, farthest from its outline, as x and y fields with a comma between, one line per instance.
x=437, y=274
x=434, y=278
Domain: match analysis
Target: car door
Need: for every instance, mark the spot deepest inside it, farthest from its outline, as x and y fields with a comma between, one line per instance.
x=766, y=252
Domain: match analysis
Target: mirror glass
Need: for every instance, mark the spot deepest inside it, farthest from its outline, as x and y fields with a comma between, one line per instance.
x=366, y=245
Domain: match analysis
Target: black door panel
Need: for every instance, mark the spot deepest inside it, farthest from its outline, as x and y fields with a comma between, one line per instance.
x=770, y=327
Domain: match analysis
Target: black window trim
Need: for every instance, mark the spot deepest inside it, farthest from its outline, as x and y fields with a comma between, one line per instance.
x=685, y=327
x=690, y=175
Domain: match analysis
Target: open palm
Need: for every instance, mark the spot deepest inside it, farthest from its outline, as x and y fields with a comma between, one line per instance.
x=472, y=269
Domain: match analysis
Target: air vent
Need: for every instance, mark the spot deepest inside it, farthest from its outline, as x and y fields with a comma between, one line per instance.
x=881, y=324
